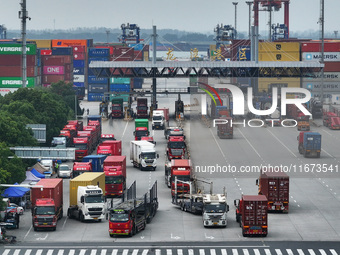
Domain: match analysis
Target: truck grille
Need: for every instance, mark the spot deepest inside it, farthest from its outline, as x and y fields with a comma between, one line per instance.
x=95, y=209
x=95, y=213
x=149, y=161
x=42, y=220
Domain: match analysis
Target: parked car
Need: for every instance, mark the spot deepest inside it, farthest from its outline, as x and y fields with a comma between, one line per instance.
x=20, y=209
x=64, y=171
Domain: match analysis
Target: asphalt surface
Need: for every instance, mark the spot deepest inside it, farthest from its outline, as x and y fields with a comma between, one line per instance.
x=312, y=221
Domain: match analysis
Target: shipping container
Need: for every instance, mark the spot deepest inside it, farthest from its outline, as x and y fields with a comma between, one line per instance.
x=100, y=80
x=16, y=60
x=45, y=52
x=56, y=60
x=332, y=67
x=85, y=179
x=16, y=49
x=316, y=56
x=243, y=53
x=41, y=43
x=78, y=49
x=53, y=70
x=123, y=52
x=92, y=59
x=327, y=86
x=327, y=77
x=61, y=51
x=98, y=52
x=146, y=55
x=124, y=96
x=120, y=87
x=284, y=56
x=105, y=47
x=79, y=63
x=70, y=43
x=138, y=56
x=135, y=46
x=16, y=71
x=79, y=78
x=95, y=97
x=78, y=71
x=79, y=56
x=53, y=78
x=316, y=47
x=277, y=47
x=5, y=91
x=137, y=83
x=98, y=88
x=79, y=84
x=267, y=83
x=16, y=82
x=117, y=80
x=52, y=188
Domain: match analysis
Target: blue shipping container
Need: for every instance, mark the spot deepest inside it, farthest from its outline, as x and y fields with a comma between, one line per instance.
x=120, y=87
x=98, y=59
x=136, y=46
x=138, y=83
x=80, y=91
x=78, y=71
x=97, y=162
x=78, y=63
x=120, y=80
x=98, y=52
x=98, y=88
x=100, y=80
x=243, y=53
x=95, y=97
x=61, y=51
x=79, y=84
x=312, y=141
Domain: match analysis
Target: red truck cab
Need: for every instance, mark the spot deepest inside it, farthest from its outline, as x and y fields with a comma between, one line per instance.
x=77, y=123
x=82, y=147
x=140, y=132
x=176, y=147
x=149, y=139
x=110, y=148
x=115, y=175
x=105, y=137
x=225, y=130
x=81, y=167
x=182, y=169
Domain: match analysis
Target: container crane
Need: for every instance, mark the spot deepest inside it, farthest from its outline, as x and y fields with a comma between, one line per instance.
x=130, y=32
x=3, y=32
x=224, y=33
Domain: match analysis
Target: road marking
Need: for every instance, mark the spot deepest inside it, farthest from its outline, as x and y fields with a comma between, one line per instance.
x=202, y=252
x=71, y=252
x=125, y=129
x=212, y=252
x=328, y=153
x=278, y=251
x=282, y=143
x=219, y=147
x=169, y=252
x=179, y=252
x=39, y=252
x=300, y=252
x=28, y=232
x=235, y=252
x=103, y=252
x=258, y=154
x=257, y=252
x=245, y=252
x=267, y=251
x=289, y=252
x=7, y=251
x=93, y=252
x=190, y=252
x=114, y=252
x=125, y=252
x=145, y=252
x=82, y=252
x=158, y=252
x=16, y=252
x=64, y=223
x=27, y=252
x=60, y=252
x=135, y=252
x=311, y=252
x=322, y=251
x=224, y=252
x=333, y=252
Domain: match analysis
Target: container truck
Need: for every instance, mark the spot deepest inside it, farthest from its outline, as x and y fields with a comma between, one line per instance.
x=309, y=144
x=252, y=214
x=303, y=123
x=110, y=148
x=91, y=138
x=131, y=216
x=182, y=169
x=69, y=134
x=97, y=162
x=141, y=128
x=105, y=137
x=275, y=186
x=115, y=176
x=173, y=131
x=87, y=197
x=98, y=125
x=142, y=108
x=81, y=167
x=78, y=123
x=160, y=118
x=225, y=129
x=95, y=133
x=215, y=210
x=176, y=147
x=82, y=146
x=143, y=155
x=117, y=108
x=47, y=203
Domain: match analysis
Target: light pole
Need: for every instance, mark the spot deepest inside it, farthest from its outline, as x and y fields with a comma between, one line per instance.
x=336, y=34
x=235, y=4
x=249, y=5
x=23, y=15
x=107, y=36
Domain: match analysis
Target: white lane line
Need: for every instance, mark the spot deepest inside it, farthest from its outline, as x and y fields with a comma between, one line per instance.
x=125, y=129
x=145, y=251
x=258, y=154
x=71, y=252
x=333, y=252
x=93, y=252
x=267, y=251
x=28, y=232
x=278, y=251
x=39, y=252
x=289, y=252
x=212, y=252
x=168, y=252
x=27, y=252
x=103, y=252
x=300, y=252
x=179, y=252
x=64, y=223
x=190, y=252
x=125, y=252
x=7, y=251
x=158, y=252
x=201, y=252
x=245, y=252
x=49, y=252
x=223, y=252
x=114, y=252
x=282, y=143
x=135, y=252
x=322, y=252
x=328, y=153
x=60, y=252
x=257, y=252
x=82, y=252
x=235, y=252
x=17, y=251
x=311, y=252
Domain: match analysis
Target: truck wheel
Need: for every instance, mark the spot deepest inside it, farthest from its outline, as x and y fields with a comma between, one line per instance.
x=243, y=233
x=237, y=218
x=35, y=229
x=111, y=235
x=318, y=154
x=240, y=221
x=81, y=216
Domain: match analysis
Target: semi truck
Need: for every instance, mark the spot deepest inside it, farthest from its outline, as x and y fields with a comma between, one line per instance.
x=225, y=130
x=143, y=155
x=105, y=137
x=110, y=148
x=142, y=108
x=87, y=197
x=303, y=123
x=97, y=162
x=309, y=144
x=82, y=146
x=252, y=214
x=81, y=167
x=117, y=108
x=173, y=131
x=182, y=169
x=131, y=216
x=160, y=118
x=78, y=123
x=176, y=147
x=141, y=128
x=275, y=186
x=115, y=176
x=47, y=203
x=215, y=210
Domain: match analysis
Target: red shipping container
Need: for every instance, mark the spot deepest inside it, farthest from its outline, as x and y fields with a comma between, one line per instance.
x=316, y=47
x=332, y=67
x=78, y=56
x=138, y=55
x=68, y=76
x=123, y=52
x=39, y=70
x=68, y=68
x=78, y=49
x=55, y=60
x=54, y=70
x=46, y=85
x=16, y=71
x=15, y=60
x=46, y=52
x=52, y=78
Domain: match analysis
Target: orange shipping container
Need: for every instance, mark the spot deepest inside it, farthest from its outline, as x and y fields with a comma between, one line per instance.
x=70, y=43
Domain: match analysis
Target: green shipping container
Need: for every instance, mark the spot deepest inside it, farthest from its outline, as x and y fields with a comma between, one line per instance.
x=85, y=179
x=16, y=82
x=124, y=96
x=142, y=123
x=16, y=49
x=120, y=80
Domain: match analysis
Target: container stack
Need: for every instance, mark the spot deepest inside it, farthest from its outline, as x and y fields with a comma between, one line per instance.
x=120, y=85
x=97, y=86
x=11, y=66
x=311, y=51
x=57, y=66
x=279, y=51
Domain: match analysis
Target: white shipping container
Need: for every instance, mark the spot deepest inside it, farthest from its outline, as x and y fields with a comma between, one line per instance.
x=327, y=86
x=79, y=78
x=316, y=56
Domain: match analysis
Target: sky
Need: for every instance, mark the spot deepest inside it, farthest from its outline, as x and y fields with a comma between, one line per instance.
x=188, y=15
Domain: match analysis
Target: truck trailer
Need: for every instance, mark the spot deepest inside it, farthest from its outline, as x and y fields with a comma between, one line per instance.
x=47, y=203
x=115, y=176
x=143, y=155
x=309, y=144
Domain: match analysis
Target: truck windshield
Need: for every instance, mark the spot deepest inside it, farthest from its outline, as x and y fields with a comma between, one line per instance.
x=113, y=180
x=45, y=210
x=218, y=208
x=119, y=217
x=94, y=199
x=80, y=146
x=184, y=178
x=157, y=117
x=116, y=108
x=142, y=108
x=148, y=155
x=58, y=143
x=140, y=133
x=176, y=145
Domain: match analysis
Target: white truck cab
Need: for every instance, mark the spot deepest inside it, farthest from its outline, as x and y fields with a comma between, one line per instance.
x=158, y=119
x=91, y=204
x=215, y=210
x=143, y=155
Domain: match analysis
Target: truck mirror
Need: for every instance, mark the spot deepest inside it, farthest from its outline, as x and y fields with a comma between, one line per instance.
x=157, y=155
x=257, y=182
x=227, y=208
x=82, y=199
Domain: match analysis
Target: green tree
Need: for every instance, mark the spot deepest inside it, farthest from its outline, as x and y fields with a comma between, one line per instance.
x=14, y=168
